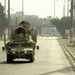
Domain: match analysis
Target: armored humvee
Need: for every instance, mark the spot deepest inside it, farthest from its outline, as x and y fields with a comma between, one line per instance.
x=22, y=42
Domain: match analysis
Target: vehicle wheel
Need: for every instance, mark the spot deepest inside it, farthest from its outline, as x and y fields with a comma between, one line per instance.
x=9, y=58
x=31, y=58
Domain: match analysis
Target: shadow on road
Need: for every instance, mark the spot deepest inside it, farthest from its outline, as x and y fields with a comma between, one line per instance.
x=63, y=70
x=16, y=62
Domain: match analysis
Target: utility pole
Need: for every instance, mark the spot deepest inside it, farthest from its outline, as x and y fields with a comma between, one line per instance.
x=64, y=26
x=22, y=9
x=54, y=8
x=8, y=19
x=71, y=19
x=64, y=8
x=5, y=6
x=67, y=8
x=72, y=13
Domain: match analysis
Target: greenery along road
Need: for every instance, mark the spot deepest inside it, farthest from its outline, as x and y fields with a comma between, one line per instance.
x=3, y=20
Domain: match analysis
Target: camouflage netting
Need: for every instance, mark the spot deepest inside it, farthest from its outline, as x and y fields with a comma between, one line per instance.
x=24, y=31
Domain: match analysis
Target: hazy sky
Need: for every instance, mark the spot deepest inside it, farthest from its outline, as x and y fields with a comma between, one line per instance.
x=42, y=8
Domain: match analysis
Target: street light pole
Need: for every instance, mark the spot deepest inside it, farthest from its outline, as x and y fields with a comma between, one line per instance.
x=8, y=19
x=64, y=4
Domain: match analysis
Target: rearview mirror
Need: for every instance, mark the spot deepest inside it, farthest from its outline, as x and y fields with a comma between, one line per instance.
x=3, y=48
x=37, y=47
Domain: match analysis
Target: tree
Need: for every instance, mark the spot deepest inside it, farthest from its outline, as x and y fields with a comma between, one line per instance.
x=61, y=24
x=3, y=20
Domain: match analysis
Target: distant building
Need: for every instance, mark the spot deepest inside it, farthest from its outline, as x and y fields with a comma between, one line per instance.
x=32, y=16
x=17, y=17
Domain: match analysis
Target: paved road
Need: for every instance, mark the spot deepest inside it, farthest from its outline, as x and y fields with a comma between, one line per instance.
x=49, y=60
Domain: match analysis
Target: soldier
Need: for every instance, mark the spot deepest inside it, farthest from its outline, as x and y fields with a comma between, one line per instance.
x=31, y=31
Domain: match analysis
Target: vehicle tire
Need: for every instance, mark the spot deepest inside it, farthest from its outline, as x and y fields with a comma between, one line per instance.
x=9, y=58
x=31, y=58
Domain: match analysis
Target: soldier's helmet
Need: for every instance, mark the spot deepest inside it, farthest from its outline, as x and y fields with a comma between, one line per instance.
x=24, y=23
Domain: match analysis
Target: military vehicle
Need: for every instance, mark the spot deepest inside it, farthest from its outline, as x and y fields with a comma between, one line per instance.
x=22, y=42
